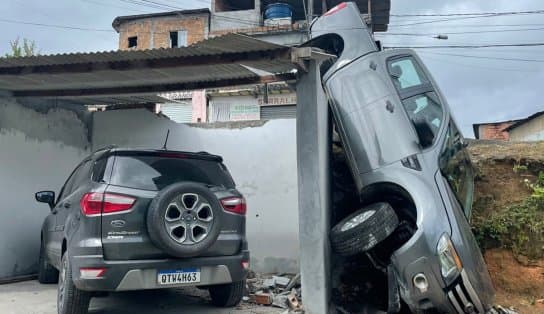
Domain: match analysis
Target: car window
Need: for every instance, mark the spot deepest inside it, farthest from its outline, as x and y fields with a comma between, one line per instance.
x=155, y=172
x=77, y=177
x=419, y=99
x=406, y=73
x=426, y=114
x=456, y=167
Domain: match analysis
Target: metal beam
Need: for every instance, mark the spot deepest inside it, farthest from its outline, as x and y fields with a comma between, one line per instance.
x=156, y=88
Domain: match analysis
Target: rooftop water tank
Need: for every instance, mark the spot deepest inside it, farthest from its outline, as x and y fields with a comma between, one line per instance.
x=278, y=14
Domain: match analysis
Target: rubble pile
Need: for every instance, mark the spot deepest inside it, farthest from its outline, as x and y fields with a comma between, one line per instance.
x=282, y=291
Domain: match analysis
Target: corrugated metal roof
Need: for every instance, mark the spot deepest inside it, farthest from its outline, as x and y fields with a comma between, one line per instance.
x=214, y=62
x=230, y=43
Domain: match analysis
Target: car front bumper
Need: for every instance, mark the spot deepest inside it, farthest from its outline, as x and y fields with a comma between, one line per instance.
x=142, y=274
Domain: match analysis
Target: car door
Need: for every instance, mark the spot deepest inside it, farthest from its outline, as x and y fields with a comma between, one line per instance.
x=71, y=199
x=54, y=246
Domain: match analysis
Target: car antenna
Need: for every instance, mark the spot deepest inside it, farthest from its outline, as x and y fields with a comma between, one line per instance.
x=166, y=140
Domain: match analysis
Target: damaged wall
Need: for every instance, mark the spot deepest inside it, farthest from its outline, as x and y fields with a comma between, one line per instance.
x=260, y=155
x=38, y=150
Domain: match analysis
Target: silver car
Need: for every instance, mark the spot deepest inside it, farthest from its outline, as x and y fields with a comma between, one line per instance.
x=411, y=170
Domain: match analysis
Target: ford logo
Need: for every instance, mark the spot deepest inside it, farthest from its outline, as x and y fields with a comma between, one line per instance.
x=117, y=223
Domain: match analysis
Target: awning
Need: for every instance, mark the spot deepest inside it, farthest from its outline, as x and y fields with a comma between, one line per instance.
x=228, y=60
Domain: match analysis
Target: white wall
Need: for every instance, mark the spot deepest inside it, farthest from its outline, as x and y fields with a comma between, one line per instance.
x=529, y=131
x=37, y=152
x=261, y=158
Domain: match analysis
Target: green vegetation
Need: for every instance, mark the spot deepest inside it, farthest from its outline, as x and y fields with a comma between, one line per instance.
x=519, y=227
x=25, y=49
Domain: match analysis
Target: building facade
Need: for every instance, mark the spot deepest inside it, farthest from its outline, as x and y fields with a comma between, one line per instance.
x=256, y=18
x=493, y=130
x=529, y=129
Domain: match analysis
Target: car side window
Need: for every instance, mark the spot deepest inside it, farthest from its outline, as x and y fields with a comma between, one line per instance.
x=419, y=99
x=75, y=179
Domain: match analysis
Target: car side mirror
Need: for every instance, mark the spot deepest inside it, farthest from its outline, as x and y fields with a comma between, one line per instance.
x=46, y=197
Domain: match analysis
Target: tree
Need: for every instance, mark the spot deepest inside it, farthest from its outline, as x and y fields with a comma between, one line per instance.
x=27, y=49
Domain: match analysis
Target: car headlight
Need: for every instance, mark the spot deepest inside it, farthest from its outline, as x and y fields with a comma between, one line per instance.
x=450, y=263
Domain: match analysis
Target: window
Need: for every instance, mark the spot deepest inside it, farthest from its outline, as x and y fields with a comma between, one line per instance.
x=178, y=39
x=133, y=42
x=234, y=5
x=456, y=167
x=426, y=114
x=151, y=172
x=406, y=73
x=76, y=178
x=418, y=98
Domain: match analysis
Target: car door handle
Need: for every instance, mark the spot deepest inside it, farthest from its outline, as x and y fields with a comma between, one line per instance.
x=67, y=205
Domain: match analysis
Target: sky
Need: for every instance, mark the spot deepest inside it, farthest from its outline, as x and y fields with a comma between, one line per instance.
x=479, y=84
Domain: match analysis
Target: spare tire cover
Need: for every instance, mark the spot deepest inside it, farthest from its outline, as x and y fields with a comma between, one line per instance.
x=184, y=219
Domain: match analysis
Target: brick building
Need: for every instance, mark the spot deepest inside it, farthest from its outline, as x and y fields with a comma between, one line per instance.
x=183, y=28
x=492, y=130
x=162, y=30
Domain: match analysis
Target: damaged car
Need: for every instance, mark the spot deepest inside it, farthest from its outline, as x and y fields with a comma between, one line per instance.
x=410, y=171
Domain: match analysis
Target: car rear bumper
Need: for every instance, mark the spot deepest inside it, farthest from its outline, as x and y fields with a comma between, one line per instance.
x=142, y=274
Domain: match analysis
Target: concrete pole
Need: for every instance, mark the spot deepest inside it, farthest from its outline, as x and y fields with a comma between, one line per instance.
x=310, y=11
x=314, y=196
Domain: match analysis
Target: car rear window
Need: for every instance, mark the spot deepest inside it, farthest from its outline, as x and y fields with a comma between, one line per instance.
x=156, y=172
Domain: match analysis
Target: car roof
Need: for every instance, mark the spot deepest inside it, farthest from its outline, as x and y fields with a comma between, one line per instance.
x=113, y=150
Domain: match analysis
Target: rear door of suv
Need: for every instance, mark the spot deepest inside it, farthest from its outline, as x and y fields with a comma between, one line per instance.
x=136, y=176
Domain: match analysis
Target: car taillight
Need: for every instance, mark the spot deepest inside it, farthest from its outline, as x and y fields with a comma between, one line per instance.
x=96, y=204
x=92, y=273
x=235, y=205
x=337, y=8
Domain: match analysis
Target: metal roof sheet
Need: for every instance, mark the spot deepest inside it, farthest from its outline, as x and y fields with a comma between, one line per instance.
x=221, y=61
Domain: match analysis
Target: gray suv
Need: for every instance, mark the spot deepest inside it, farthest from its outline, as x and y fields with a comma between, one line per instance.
x=411, y=173
x=145, y=219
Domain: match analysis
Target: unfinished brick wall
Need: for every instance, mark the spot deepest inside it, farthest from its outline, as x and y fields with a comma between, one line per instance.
x=197, y=27
x=494, y=131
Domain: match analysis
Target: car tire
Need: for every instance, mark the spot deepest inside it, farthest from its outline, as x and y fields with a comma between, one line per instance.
x=47, y=274
x=70, y=300
x=364, y=229
x=156, y=218
x=228, y=295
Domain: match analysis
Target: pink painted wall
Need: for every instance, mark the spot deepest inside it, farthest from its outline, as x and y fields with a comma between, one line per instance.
x=199, y=106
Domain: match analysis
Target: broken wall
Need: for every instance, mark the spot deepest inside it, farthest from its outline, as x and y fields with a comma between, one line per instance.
x=40, y=144
x=260, y=155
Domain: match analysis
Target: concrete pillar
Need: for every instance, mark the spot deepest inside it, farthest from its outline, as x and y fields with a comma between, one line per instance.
x=313, y=151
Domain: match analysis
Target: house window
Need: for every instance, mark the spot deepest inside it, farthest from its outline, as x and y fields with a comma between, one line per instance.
x=234, y=5
x=133, y=42
x=178, y=39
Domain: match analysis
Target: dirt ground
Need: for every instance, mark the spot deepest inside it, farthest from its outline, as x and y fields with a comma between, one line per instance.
x=519, y=283
x=30, y=297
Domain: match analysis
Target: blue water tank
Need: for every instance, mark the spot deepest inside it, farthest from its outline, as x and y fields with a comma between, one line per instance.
x=277, y=11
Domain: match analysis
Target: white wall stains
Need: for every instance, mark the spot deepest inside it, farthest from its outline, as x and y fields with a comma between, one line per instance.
x=261, y=158
x=37, y=152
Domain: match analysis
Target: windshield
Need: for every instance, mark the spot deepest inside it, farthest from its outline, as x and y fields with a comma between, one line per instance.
x=456, y=167
x=149, y=172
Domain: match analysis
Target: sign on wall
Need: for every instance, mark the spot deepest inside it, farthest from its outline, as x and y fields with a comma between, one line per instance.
x=244, y=112
x=278, y=99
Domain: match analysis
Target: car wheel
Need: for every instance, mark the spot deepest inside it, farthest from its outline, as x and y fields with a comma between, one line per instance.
x=228, y=295
x=364, y=229
x=184, y=219
x=70, y=300
x=46, y=272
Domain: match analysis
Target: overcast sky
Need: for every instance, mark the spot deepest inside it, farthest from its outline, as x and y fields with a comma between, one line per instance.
x=478, y=89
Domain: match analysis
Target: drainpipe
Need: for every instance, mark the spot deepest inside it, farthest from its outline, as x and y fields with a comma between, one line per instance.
x=152, y=35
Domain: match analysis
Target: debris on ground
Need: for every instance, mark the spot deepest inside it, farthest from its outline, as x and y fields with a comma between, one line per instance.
x=277, y=290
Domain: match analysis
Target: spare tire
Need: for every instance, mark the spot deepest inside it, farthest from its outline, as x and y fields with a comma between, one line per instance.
x=364, y=229
x=184, y=219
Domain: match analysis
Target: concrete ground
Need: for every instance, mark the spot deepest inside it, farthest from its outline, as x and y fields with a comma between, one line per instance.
x=30, y=297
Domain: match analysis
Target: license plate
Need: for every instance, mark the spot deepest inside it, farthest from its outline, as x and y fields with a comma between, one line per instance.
x=179, y=276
